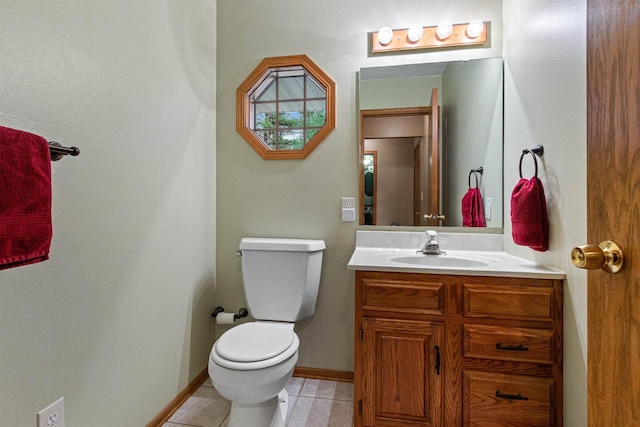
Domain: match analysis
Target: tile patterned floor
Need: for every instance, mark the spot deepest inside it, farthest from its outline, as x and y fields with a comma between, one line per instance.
x=312, y=403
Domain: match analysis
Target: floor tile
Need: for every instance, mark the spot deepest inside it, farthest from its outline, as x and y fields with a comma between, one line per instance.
x=312, y=403
x=310, y=412
x=292, y=404
x=178, y=425
x=294, y=386
x=205, y=408
x=327, y=389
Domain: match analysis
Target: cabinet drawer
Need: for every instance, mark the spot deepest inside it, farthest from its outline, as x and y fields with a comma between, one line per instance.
x=510, y=302
x=507, y=400
x=403, y=296
x=509, y=343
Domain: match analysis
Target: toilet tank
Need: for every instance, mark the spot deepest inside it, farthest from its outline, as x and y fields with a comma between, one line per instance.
x=281, y=277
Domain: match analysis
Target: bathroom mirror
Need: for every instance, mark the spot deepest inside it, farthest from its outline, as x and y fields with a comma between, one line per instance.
x=425, y=155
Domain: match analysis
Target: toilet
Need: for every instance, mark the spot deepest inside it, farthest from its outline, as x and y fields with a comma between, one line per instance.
x=250, y=364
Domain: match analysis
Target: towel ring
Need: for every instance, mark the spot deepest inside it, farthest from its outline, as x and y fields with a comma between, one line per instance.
x=475, y=174
x=535, y=161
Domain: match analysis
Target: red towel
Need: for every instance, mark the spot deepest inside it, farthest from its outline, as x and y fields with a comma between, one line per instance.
x=472, y=209
x=25, y=198
x=530, y=224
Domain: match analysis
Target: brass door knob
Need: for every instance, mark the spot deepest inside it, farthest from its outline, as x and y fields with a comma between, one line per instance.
x=428, y=217
x=607, y=256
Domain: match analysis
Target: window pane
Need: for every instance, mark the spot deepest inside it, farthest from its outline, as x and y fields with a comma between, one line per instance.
x=290, y=140
x=268, y=94
x=268, y=137
x=291, y=114
x=265, y=116
x=291, y=88
x=316, y=113
x=310, y=134
x=314, y=90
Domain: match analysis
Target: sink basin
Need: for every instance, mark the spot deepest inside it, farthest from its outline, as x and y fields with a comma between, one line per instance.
x=440, y=261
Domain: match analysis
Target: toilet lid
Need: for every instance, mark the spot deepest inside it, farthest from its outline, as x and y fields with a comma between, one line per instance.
x=255, y=341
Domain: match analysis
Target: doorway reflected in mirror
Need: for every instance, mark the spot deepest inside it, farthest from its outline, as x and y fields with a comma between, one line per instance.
x=470, y=131
x=370, y=166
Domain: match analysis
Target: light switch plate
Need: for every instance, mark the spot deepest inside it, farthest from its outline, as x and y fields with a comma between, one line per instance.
x=348, y=215
x=487, y=208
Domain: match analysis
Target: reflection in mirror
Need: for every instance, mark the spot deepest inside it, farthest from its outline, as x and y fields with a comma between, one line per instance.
x=424, y=152
x=369, y=168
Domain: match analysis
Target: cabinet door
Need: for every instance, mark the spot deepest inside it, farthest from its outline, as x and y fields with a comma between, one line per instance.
x=402, y=373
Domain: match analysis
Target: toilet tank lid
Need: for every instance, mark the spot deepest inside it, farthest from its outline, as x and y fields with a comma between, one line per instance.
x=274, y=244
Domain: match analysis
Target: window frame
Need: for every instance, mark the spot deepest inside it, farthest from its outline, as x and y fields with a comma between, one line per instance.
x=244, y=114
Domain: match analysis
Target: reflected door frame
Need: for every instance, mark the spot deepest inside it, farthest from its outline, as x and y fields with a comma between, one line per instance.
x=417, y=209
x=383, y=112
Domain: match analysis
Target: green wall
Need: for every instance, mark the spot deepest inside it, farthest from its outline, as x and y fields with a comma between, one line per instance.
x=301, y=198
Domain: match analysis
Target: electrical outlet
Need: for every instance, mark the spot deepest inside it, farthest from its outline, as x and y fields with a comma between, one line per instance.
x=52, y=415
x=348, y=209
x=348, y=202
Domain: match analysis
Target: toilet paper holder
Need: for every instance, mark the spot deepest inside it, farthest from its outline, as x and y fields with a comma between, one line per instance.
x=243, y=312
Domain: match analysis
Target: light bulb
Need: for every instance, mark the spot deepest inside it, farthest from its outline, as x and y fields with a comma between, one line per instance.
x=385, y=35
x=415, y=33
x=444, y=30
x=475, y=28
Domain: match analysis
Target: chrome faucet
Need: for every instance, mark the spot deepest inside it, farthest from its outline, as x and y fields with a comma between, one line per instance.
x=431, y=247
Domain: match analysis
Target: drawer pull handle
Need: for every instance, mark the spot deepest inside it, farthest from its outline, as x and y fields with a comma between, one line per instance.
x=518, y=347
x=518, y=396
x=437, y=348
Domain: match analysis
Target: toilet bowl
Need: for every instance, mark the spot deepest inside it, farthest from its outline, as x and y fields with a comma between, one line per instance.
x=250, y=364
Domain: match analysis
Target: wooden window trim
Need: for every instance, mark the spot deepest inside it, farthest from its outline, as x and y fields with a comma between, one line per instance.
x=243, y=106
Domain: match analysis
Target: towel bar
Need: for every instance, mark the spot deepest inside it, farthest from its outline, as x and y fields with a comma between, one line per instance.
x=58, y=151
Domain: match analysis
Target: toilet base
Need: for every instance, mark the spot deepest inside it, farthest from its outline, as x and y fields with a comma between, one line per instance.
x=271, y=413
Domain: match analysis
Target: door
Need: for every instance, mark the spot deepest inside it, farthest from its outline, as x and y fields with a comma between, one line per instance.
x=402, y=378
x=613, y=210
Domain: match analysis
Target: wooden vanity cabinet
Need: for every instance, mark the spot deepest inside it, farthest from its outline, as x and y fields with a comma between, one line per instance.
x=451, y=350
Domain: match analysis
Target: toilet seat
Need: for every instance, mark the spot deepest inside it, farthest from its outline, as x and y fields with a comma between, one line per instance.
x=255, y=345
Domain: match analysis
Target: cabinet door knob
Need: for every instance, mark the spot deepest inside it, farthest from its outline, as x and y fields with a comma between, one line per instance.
x=437, y=367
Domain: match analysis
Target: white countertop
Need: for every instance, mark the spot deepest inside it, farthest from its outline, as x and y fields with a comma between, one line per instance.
x=383, y=251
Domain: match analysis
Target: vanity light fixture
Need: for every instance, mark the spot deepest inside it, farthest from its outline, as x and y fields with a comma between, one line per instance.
x=414, y=33
x=475, y=28
x=416, y=37
x=385, y=35
x=444, y=30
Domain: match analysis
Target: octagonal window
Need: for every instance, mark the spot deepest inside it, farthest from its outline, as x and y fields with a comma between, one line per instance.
x=286, y=107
